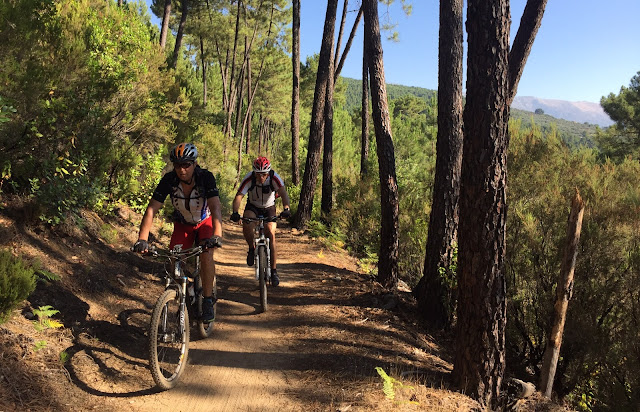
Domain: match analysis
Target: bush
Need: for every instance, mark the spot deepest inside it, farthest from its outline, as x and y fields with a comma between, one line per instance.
x=17, y=281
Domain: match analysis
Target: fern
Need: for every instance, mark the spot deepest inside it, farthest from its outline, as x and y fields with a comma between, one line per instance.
x=387, y=383
x=44, y=314
x=46, y=276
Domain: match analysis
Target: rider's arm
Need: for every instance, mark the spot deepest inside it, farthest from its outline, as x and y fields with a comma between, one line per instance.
x=147, y=219
x=284, y=196
x=236, y=202
x=216, y=214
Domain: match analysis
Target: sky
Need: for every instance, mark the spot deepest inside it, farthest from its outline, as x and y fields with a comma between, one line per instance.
x=584, y=49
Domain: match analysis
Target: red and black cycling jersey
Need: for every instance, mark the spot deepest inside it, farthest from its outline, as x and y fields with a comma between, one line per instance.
x=191, y=210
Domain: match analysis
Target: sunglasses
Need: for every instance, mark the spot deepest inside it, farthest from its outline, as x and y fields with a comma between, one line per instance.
x=182, y=165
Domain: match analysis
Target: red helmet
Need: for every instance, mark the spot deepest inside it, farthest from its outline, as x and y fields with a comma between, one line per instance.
x=261, y=165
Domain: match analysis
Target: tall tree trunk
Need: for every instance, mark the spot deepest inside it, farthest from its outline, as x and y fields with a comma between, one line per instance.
x=180, y=34
x=326, y=202
x=246, y=125
x=295, y=96
x=165, y=23
x=347, y=47
x=564, y=290
x=434, y=291
x=204, y=73
x=388, y=256
x=364, y=150
x=316, y=132
x=232, y=93
x=522, y=44
x=479, y=361
x=343, y=21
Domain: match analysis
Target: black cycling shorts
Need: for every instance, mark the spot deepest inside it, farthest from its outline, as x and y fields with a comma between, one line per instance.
x=265, y=212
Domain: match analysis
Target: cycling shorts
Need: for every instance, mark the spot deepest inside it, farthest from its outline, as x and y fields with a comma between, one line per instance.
x=266, y=212
x=184, y=234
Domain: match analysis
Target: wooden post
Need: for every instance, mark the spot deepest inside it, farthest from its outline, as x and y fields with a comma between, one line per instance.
x=564, y=291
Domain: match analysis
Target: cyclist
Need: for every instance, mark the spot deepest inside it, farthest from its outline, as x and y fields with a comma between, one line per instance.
x=262, y=184
x=194, y=196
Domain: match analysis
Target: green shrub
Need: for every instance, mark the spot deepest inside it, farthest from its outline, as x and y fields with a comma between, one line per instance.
x=17, y=281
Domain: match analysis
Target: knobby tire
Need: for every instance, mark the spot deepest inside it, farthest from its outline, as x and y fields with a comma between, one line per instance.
x=168, y=340
x=262, y=271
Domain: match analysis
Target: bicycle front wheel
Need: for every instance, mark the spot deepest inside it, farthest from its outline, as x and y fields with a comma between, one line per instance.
x=168, y=340
x=262, y=272
x=205, y=329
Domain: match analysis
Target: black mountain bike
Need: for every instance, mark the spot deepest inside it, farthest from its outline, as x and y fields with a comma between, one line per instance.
x=262, y=261
x=181, y=301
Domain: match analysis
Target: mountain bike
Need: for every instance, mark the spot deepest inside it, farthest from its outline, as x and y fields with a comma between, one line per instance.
x=181, y=300
x=262, y=262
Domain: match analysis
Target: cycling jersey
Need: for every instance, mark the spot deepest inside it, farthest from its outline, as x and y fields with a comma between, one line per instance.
x=193, y=209
x=261, y=196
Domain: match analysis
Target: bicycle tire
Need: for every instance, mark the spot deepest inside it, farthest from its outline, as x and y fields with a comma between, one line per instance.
x=262, y=274
x=168, y=340
x=205, y=329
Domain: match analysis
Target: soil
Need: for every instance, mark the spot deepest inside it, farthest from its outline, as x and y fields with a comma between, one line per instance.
x=329, y=325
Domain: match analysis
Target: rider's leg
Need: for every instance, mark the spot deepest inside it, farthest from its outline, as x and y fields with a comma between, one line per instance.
x=248, y=228
x=208, y=272
x=270, y=232
x=247, y=231
x=205, y=232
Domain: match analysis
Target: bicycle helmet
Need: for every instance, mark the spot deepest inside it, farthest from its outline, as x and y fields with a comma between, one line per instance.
x=184, y=152
x=261, y=165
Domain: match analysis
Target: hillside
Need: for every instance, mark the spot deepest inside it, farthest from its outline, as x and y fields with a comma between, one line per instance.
x=573, y=132
x=579, y=112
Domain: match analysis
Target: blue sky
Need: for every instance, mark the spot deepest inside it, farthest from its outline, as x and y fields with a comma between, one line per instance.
x=585, y=49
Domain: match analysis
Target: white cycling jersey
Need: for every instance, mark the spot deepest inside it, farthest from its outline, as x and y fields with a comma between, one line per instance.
x=261, y=196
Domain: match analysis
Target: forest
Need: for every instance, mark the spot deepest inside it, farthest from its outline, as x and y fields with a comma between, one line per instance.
x=93, y=95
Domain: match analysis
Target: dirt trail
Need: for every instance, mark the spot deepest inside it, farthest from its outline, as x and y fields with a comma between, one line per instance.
x=244, y=365
x=316, y=349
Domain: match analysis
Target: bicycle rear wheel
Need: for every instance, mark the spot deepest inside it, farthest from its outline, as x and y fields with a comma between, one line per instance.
x=262, y=272
x=205, y=329
x=168, y=340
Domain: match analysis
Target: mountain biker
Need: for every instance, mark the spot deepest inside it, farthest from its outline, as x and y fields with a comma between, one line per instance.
x=262, y=184
x=197, y=212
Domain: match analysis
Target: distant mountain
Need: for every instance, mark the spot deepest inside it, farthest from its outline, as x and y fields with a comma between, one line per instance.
x=580, y=112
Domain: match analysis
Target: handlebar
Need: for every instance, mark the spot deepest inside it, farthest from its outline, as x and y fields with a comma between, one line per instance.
x=260, y=219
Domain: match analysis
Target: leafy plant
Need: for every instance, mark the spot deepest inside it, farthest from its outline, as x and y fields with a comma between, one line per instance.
x=46, y=276
x=41, y=344
x=17, y=281
x=44, y=321
x=388, y=384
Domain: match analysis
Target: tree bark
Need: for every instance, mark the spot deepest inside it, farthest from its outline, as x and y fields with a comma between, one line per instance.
x=316, y=132
x=479, y=361
x=364, y=150
x=180, y=34
x=166, y=16
x=326, y=202
x=347, y=47
x=529, y=25
x=204, y=74
x=388, y=255
x=564, y=291
x=434, y=291
x=343, y=22
x=295, y=96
